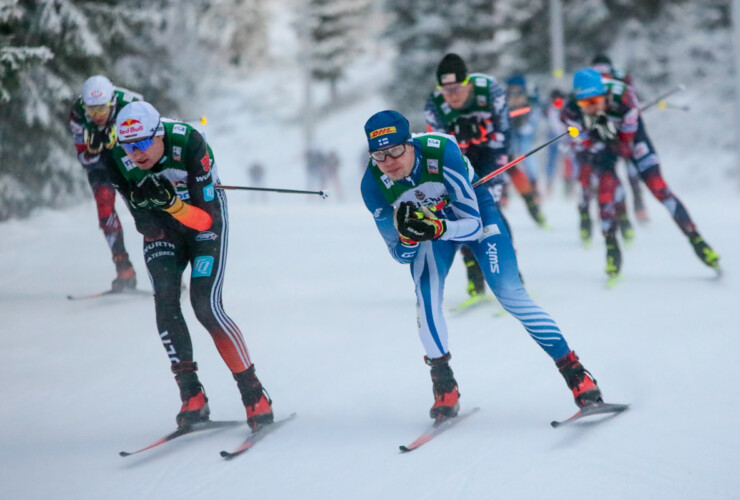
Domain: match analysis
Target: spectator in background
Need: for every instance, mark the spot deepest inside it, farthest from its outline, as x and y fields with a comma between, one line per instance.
x=256, y=174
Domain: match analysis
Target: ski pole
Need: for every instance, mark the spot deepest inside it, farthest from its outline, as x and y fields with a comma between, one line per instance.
x=678, y=88
x=323, y=194
x=572, y=131
x=519, y=112
x=668, y=105
x=202, y=120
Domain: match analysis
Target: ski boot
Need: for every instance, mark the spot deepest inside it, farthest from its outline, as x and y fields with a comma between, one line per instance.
x=704, y=251
x=579, y=380
x=534, y=210
x=125, y=274
x=446, y=397
x=625, y=227
x=613, y=258
x=194, y=401
x=256, y=400
x=586, y=225
x=476, y=280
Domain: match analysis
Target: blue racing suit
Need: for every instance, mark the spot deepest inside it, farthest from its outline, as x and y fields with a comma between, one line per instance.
x=443, y=176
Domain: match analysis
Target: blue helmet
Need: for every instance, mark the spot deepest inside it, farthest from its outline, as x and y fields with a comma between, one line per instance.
x=587, y=83
x=386, y=128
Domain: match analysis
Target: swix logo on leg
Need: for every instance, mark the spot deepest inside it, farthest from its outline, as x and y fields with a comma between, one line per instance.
x=492, y=253
x=169, y=347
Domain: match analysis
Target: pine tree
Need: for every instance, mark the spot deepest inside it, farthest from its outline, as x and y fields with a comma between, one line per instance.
x=47, y=49
x=335, y=28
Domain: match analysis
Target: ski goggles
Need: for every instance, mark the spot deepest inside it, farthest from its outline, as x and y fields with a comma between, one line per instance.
x=590, y=101
x=141, y=145
x=454, y=88
x=393, y=151
x=98, y=110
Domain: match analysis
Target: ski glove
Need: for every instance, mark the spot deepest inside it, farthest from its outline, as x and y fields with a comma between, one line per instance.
x=467, y=129
x=604, y=128
x=153, y=192
x=417, y=225
x=96, y=141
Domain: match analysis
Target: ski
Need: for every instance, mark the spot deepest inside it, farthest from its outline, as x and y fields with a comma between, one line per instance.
x=126, y=292
x=255, y=437
x=590, y=410
x=188, y=429
x=436, y=429
x=472, y=301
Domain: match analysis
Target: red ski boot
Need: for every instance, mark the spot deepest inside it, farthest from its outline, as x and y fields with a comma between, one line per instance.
x=446, y=396
x=255, y=399
x=580, y=381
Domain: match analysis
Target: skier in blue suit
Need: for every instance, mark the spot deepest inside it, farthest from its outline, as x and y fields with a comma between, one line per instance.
x=419, y=190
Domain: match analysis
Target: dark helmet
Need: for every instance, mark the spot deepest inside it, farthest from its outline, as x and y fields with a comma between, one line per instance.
x=451, y=69
x=601, y=59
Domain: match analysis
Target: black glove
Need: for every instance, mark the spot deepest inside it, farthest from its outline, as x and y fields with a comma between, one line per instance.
x=416, y=225
x=466, y=129
x=153, y=192
x=604, y=128
x=94, y=141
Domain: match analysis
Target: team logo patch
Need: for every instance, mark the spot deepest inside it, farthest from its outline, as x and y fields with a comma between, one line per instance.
x=419, y=195
x=179, y=129
x=641, y=149
x=433, y=143
x=480, y=82
x=206, y=236
x=433, y=166
x=382, y=131
x=205, y=162
x=481, y=99
x=209, y=192
x=202, y=267
x=177, y=153
x=128, y=163
x=387, y=182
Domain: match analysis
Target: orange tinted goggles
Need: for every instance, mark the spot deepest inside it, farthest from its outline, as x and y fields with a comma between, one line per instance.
x=590, y=101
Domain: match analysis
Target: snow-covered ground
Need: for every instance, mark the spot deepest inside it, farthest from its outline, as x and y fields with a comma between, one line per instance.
x=329, y=319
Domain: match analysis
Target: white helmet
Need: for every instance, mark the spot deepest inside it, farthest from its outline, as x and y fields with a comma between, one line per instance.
x=138, y=120
x=97, y=90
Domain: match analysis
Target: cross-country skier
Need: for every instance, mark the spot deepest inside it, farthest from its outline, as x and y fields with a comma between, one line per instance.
x=524, y=126
x=92, y=121
x=166, y=171
x=606, y=111
x=473, y=108
x=603, y=64
x=420, y=193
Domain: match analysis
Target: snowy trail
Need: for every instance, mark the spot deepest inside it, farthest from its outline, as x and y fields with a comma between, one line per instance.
x=330, y=322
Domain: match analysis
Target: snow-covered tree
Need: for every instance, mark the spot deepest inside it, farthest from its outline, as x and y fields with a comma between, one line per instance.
x=424, y=31
x=335, y=28
x=47, y=49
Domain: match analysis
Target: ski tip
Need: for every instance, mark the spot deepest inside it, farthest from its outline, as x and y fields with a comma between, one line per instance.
x=224, y=454
x=555, y=424
x=404, y=448
x=124, y=453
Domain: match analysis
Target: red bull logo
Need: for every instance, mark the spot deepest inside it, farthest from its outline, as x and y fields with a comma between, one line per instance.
x=96, y=93
x=130, y=127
